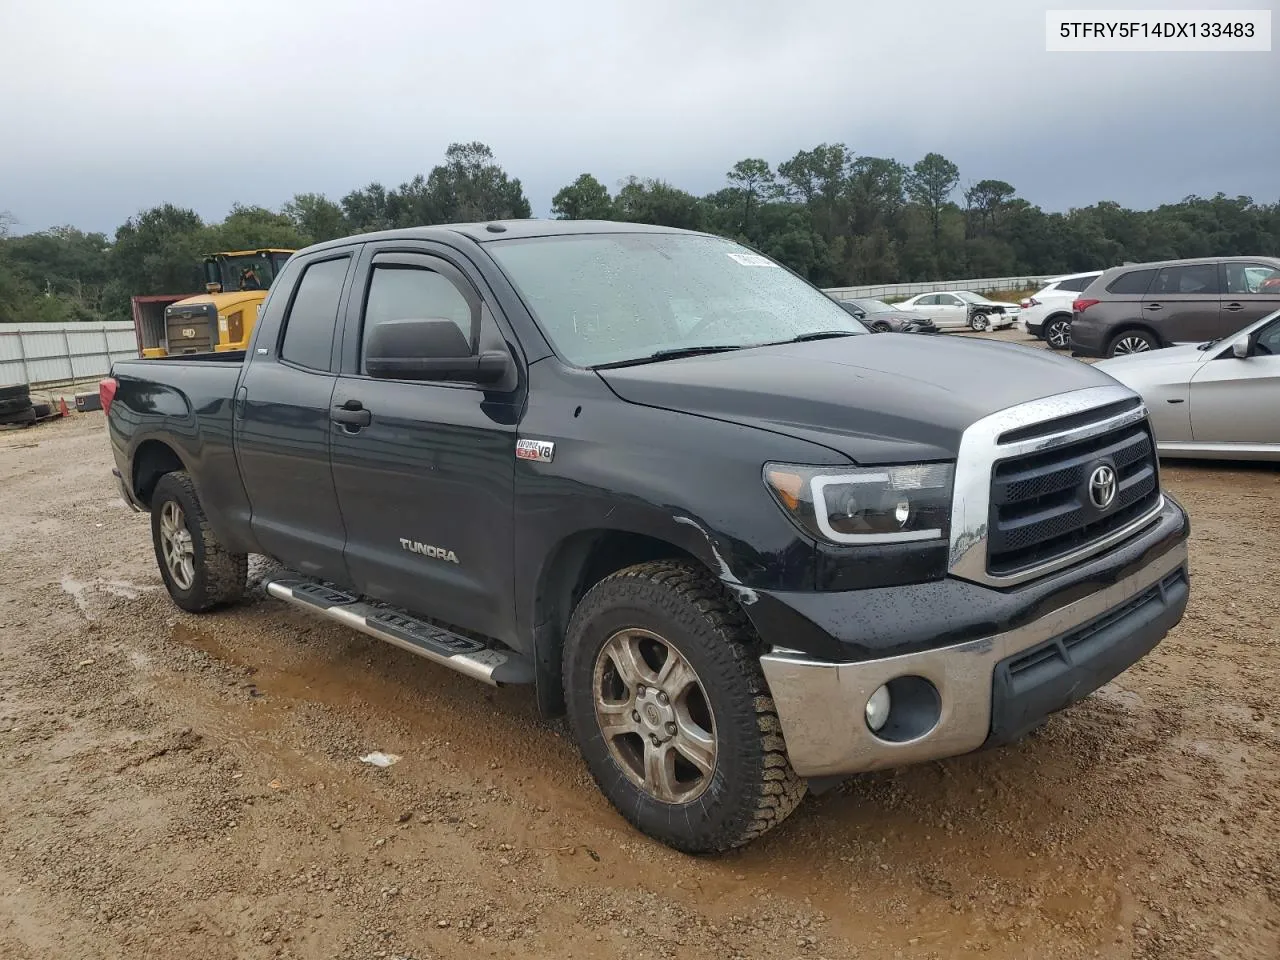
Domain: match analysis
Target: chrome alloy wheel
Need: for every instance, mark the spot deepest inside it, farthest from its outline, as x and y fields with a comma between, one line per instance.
x=1059, y=334
x=175, y=542
x=654, y=716
x=1131, y=344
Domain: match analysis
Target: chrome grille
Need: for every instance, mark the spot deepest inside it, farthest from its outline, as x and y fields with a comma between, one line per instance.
x=1011, y=519
x=1040, y=508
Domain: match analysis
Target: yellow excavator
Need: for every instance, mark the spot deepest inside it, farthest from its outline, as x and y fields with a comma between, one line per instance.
x=221, y=319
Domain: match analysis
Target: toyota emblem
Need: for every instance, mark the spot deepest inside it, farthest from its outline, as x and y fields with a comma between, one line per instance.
x=1102, y=486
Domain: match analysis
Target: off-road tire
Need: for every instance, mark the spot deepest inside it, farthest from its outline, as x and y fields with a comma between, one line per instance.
x=26, y=415
x=220, y=575
x=42, y=410
x=15, y=391
x=14, y=405
x=752, y=787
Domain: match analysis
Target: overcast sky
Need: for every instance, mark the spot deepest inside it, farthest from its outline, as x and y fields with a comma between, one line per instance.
x=110, y=107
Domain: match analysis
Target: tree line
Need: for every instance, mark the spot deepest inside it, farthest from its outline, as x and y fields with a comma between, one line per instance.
x=838, y=218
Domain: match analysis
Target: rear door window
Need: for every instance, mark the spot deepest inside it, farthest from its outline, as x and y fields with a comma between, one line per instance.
x=313, y=315
x=1193, y=279
x=1077, y=284
x=1135, y=282
x=1246, y=278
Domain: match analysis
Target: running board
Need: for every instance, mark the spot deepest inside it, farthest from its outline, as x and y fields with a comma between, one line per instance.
x=475, y=659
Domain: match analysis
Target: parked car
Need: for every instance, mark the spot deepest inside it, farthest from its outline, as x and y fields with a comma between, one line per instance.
x=765, y=548
x=880, y=317
x=1219, y=399
x=1141, y=307
x=1046, y=314
x=956, y=309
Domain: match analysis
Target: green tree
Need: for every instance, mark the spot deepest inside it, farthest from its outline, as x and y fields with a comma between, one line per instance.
x=470, y=186
x=985, y=202
x=316, y=217
x=656, y=201
x=753, y=180
x=365, y=209
x=930, y=184
x=584, y=199
x=249, y=228
x=160, y=251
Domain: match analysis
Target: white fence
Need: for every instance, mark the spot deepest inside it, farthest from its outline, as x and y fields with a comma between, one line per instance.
x=987, y=285
x=45, y=354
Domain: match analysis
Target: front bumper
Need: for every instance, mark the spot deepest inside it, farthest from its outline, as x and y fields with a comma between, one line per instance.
x=989, y=690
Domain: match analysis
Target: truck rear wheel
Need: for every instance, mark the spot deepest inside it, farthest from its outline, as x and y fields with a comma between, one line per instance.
x=198, y=571
x=664, y=692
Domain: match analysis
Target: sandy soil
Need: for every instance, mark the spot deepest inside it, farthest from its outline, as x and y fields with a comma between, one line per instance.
x=175, y=786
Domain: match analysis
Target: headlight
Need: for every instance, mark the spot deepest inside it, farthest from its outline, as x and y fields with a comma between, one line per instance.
x=866, y=505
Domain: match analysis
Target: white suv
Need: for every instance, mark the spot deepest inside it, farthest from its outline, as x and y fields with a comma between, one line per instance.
x=1047, y=315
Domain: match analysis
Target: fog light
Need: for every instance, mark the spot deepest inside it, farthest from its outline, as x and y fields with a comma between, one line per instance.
x=878, y=708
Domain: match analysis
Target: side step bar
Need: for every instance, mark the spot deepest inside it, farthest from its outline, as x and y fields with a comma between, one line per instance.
x=488, y=664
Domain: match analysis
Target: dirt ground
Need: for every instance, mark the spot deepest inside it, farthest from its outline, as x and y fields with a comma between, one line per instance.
x=175, y=786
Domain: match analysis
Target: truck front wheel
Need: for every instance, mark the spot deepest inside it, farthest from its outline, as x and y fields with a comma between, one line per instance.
x=665, y=695
x=198, y=571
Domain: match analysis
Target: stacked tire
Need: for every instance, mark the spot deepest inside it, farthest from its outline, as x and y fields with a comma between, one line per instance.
x=16, y=408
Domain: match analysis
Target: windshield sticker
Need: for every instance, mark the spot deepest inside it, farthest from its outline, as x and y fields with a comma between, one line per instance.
x=752, y=260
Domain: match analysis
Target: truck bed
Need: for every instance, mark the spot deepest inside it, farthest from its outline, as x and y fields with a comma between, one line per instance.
x=229, y=357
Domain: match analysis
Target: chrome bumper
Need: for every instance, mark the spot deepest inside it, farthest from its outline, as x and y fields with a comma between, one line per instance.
x=821, y=705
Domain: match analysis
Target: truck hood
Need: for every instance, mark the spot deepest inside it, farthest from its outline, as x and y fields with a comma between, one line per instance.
x=879, y=398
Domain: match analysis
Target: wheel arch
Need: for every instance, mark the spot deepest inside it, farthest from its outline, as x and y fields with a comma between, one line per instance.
x=152, y=460
x=573, y=566
x=1130, y=327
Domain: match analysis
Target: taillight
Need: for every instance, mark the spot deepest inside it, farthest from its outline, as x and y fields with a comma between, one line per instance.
x=1083, y=304
x=107, y=393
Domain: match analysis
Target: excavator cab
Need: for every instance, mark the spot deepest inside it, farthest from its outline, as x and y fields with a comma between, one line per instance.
x=242, y=270
x=222, y=318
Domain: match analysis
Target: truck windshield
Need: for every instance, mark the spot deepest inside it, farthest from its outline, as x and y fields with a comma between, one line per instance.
x=612, y=297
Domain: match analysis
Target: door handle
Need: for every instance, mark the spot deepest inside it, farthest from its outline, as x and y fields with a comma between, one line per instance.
x=1233, y=307
x=351, y=414
x=1152, y=306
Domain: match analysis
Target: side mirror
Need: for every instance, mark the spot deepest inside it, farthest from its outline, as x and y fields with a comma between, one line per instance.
x=1241, y=348
x=430, y=350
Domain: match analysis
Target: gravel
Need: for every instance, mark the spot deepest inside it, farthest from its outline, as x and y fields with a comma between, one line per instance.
x=173, y=785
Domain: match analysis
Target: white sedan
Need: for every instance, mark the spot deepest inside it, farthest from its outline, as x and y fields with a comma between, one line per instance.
x=1213, y=400
x=956, y=309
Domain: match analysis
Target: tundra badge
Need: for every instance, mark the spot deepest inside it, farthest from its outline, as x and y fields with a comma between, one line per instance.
x=436, y=553
x=541, y=450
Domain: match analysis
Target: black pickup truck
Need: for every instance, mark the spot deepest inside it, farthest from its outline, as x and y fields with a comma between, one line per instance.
x=745, y=546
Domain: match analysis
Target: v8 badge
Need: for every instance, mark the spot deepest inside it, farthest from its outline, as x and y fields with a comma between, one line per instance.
x=544, y=451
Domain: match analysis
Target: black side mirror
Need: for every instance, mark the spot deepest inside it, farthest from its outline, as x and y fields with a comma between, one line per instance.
x=430, y=350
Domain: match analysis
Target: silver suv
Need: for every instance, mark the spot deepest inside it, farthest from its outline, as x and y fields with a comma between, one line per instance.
x=1142, y=306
